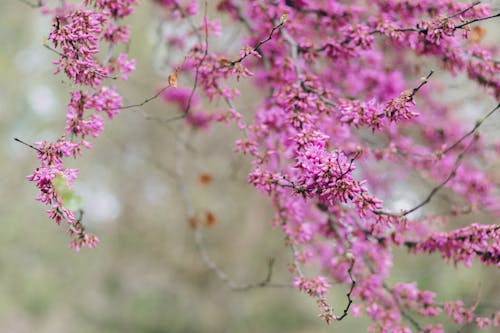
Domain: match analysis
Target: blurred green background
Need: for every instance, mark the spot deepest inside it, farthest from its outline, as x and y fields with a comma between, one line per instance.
x=145, y=275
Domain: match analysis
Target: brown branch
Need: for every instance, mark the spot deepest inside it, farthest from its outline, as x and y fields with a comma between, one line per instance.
x=436, y=189
x=186, y=110
x=147, y=100
x=197, y=70
x=424, y=30
x=477, y=20
x=258, y=45
x=242, y=19
x=349, y=293
x=452, y=174
x=197, y=74
x=266, y=282
x=417, y=29
x=54, y=50
x=321, y=299
x=224, y=277
x=188, y=19
x=457, y=163
x=424, y=82
x=198, y=236
x=349, y=168
x=474, y=4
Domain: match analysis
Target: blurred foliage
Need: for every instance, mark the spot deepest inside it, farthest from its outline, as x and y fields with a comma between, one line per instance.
x=146, y=275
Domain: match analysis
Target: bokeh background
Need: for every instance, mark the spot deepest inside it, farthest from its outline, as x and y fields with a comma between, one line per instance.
x=146, y=275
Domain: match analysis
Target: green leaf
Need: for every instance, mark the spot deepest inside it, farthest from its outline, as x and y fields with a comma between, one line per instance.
x=70, y=199
x=59, y=183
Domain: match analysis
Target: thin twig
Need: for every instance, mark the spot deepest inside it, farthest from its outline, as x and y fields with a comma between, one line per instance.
x=472, y=5
x=147, y=100
x=435, y=190
x=321, y=298
x=198, y=235
x=188, y=19
x=457, y=163
x=472, y=131
x=258, y=45
x=224, y=277
x=197, y=70
x=197, y=74
x=27, y=144
x=424, y=82
x=349, y=293
x=417, y=29
x=477, y=20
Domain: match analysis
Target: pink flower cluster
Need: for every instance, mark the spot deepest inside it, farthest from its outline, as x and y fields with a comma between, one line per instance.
x=416, y=300
x=482, y=241
x=462, y=315
x=77, y=36
x=50, y=156
x=328, y=70
x=313, y=286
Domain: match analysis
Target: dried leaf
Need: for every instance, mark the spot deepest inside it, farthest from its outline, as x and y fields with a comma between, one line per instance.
x=204, y=179
x=477, y=34
x=225, y=61
x=210, y=219
x=172, y=79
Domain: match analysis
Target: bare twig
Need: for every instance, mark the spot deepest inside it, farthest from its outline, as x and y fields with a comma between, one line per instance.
x=457, y=163
x=27, y=144
x=197, y=74
x=436, y=189
x=321, y=299
x=424, y=82
x=197, y=70
x=242, y=18
x=477, y=20
x=258, y=45
x=224, y=277
x=188, y=19
x=472, y=131
x=472, y=5
x=349, y=293
x=198, y=235
x=417, y=29
x=147, y=100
